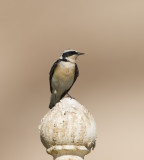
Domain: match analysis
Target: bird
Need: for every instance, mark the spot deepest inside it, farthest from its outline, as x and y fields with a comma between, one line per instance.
x=63, y=75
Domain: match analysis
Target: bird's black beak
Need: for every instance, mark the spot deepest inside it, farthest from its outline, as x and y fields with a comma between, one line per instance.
x=79, y=53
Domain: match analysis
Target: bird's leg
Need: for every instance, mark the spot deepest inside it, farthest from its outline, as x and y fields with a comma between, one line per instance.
x=70, y=96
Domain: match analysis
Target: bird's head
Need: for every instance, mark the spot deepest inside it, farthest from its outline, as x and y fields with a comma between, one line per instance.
x=70, y=55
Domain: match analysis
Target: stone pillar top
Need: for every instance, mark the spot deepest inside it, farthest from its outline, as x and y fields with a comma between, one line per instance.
x=68, y=129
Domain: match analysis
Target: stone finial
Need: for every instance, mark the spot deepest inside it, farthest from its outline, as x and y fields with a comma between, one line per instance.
x=68, y=130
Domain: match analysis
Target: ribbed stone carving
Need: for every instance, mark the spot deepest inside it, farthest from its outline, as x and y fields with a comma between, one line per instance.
x=68, y=131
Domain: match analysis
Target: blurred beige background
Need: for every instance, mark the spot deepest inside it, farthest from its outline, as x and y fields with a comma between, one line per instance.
x=111, y=83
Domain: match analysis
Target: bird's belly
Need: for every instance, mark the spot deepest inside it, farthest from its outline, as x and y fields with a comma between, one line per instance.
x=63, y=78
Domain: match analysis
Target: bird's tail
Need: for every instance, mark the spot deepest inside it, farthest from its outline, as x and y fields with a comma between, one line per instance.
x=53, y=100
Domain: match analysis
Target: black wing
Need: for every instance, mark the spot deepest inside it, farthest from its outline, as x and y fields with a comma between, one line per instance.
x=52, y=72
x=75, y=77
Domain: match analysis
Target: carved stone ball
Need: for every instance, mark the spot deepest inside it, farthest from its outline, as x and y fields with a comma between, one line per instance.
x=68, y=123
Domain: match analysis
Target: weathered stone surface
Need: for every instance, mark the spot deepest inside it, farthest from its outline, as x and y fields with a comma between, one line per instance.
x=68, y=129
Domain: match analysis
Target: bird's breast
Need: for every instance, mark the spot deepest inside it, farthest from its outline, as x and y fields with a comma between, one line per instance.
x=65, y=70
x=63, y=76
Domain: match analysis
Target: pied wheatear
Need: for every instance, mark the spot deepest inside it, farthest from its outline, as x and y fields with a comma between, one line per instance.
x=63, y=74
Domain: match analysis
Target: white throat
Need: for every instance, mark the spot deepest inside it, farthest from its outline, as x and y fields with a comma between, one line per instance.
x=72, y=58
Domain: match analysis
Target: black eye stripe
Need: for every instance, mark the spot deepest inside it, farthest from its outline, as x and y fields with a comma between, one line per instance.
x=70, y=53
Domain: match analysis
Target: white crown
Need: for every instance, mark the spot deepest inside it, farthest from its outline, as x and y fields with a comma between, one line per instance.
x=68, y=50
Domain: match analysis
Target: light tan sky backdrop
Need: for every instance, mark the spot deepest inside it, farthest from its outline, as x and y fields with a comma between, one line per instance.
x=33, y=33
